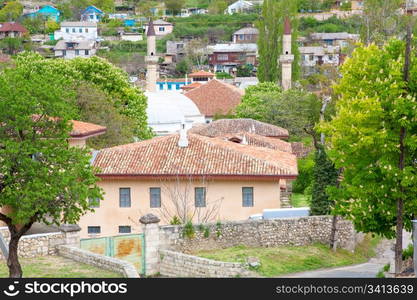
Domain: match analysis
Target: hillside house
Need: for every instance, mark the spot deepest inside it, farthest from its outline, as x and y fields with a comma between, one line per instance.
x=69, y=49
x=152, y=176
x=12, y=29
x=341, y=39
x=239, y=6
x=176, y=50
x=161, y=27
x=312, y=56
x=246, y=35
x=46, y=12
x=77, y=30
x=227, y=57
x=92, y=14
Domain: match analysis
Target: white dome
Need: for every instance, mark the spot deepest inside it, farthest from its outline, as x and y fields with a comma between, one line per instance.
x=167, y=110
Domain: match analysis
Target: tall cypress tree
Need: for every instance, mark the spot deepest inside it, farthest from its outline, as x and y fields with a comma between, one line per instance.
x=271, y=28
x=324, y=174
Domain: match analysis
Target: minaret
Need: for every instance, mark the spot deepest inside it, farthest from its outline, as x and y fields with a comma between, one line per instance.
x=286, y=58
x=151, y=59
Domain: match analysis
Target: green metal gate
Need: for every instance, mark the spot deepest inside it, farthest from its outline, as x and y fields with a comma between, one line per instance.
x=129, y=247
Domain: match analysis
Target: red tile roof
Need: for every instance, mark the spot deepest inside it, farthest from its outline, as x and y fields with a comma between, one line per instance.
x=233, y=126
x=215, y=97
x=12, y=26
x=258, y=141
x=201, y=74
x=84, y=129
x=204, y=156
x=191, y=86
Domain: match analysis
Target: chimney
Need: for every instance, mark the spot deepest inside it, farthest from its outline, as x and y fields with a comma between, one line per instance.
x=183, y=140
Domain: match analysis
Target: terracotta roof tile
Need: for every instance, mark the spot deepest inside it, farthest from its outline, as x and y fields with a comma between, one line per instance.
x=203, y=157
x=233, y=126
x=191, y=86
x=201, y=74
x=84, y=129
x=215, y=97
x=12, y=26
x=252, y=139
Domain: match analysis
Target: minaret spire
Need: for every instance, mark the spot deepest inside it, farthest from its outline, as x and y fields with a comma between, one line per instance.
x=151, y=59
x=286, y=59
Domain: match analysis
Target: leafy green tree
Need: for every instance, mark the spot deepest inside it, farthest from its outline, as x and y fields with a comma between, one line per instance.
x=381, y=20
x=34, y=25
x=42, y=179
x=296, y=110
x=11, y=45
x=217, y=7
x=105, y=5
x=11, y=11
x=95, y=107
x=51, y=26
x=373, y=137
x=129, y=100
x=271, y=29
x=183, y=67
x=324, y=175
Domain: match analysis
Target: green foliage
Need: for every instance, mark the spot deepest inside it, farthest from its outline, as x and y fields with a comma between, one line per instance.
x=175, y=221
x=333, y=24
x=346, y=6
x=42, y=178
x=223, y=75
x=129, y=100
x=188, y=230
x=314, y=5
x=305, y=174
x=374, y=103
x=206, y=233
x=324, y=175
x=10, y=45
x=244, y=70
x=51, y=26
x=296, y=110
x=183, y=67
x=34, y=25
x=271, y=30
x=219, y=228
x=215, y=27
x=11, y=11
x=386, y=268
x=408, y=252
x=174, y=6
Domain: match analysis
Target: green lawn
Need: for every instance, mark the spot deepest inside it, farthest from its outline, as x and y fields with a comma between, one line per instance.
x=57, y=267
x=278, y=261
x=300, y=200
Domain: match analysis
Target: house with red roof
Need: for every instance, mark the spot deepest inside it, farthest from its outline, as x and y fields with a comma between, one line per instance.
x=12, y=29
x=189, y=175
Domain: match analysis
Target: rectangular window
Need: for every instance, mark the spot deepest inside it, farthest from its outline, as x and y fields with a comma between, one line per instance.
x=162, y=29
x=155, y=196
x=94, y=229
x=73, y=30
x=94, y=203
x=247, y=196
x=67, y=30
x=86, y=30
x=200, y=197
x=64, y=52
x=124, y=197
x=125, y=229
x=77, y=52
x=222, y=57
x=87, y=52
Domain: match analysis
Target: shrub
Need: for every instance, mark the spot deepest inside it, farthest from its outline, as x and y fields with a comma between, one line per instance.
x=188, y=230
x=175, y=221
x=408, y=252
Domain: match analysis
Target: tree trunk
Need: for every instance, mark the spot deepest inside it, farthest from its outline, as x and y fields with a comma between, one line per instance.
x=15, y=270
x=333, y=233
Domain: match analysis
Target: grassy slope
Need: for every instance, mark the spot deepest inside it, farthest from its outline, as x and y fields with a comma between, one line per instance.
x=57, y=267
x=300, y=200
x=278, y=261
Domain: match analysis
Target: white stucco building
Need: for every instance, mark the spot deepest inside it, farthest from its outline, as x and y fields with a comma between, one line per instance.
x=75, y=48
x=77, y=30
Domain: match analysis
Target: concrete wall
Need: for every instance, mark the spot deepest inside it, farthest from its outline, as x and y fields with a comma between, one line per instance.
x=109, y=263
x=260, y=233
x=175, y=264
x=110, y=216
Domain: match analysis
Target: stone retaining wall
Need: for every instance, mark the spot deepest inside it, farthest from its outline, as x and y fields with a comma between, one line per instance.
x=36, y=244
x=175, y=264
x=260, y=233
x=104, y=262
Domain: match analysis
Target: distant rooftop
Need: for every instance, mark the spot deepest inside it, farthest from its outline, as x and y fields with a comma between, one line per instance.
x=247, y=30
